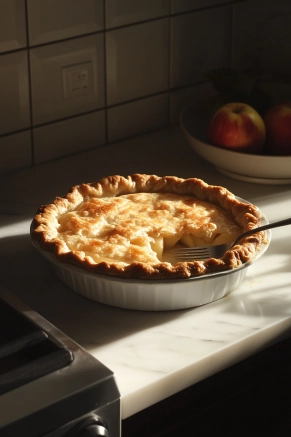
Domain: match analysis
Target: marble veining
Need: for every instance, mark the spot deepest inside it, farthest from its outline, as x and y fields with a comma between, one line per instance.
x=153, y=354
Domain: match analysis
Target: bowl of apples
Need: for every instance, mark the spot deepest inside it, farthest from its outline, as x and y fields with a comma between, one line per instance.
x=240, y=142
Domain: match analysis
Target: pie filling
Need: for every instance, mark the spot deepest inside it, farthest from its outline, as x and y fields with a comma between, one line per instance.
x=143, y=227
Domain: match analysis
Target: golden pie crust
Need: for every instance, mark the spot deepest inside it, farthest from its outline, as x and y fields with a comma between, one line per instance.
x=127, y=226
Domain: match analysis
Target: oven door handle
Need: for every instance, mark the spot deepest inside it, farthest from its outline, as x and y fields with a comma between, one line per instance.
x=95, y=430
x=92, y=426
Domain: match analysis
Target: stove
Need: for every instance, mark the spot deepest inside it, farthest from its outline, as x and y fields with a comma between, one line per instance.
x=49, y=385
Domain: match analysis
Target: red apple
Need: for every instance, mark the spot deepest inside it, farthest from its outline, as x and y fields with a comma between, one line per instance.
x=239, y=127
x=278, y=129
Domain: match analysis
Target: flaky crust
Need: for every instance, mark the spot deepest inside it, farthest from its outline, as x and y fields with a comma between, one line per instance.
x=247, y=216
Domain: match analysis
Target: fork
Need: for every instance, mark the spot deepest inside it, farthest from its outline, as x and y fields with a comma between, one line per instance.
x=205, y=252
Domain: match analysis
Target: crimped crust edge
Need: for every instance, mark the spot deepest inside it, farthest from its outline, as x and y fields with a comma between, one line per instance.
x=248, y=216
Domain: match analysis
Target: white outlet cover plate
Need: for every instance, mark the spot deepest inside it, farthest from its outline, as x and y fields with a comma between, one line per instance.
x=78, y=80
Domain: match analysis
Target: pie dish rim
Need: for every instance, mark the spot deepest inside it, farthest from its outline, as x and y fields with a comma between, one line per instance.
x=234, y=258
x=152, y=295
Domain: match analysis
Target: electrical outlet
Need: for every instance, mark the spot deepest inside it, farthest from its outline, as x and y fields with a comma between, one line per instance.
x=67, y=78
x=78, y=80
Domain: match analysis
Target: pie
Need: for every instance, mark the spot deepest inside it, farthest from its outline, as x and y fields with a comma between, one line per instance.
x=128, y=226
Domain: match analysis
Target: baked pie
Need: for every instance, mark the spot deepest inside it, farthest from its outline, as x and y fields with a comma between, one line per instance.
x=127, y=226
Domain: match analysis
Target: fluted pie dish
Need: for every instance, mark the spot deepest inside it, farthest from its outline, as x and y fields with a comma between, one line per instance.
x=111, y=240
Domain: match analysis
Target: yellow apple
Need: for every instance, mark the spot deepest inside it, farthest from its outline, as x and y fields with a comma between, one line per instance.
x=238, y=127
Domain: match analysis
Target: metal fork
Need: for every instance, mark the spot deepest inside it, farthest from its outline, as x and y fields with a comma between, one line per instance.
x=205, y=252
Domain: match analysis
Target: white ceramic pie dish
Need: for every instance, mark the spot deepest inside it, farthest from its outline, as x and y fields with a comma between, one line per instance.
x=263, y=169
x=151, y=295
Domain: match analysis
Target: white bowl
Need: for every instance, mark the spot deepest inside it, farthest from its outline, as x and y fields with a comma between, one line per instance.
x=264, y=169
x=153, y=295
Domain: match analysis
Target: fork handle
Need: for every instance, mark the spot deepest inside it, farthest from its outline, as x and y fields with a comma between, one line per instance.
x=278, y=224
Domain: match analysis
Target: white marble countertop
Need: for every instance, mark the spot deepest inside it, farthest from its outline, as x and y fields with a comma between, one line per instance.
x=153, y=354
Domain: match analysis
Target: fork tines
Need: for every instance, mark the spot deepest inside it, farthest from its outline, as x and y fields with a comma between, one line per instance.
x=197, y=253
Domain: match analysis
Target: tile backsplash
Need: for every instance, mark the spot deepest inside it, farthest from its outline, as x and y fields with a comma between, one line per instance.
x=75, y=75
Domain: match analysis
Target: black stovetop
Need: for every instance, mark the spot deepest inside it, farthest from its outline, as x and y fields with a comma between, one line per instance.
x=26, y=351
x=48, y=381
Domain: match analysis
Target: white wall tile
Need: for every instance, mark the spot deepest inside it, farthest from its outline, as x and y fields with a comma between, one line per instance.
x=138, y=117
x=182, y=97
x=262, y=35
x=59, y=19
x=70, y=136
x=200, y=42
x=137, y=61
x=188, y=5
x=120, y=13
x=12, y=25
x=48, y=72
x=67, y=77
x=15, y=151
x=14, y=92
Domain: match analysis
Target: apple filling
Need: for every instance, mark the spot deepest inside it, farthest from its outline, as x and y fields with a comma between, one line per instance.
x=143, y=227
